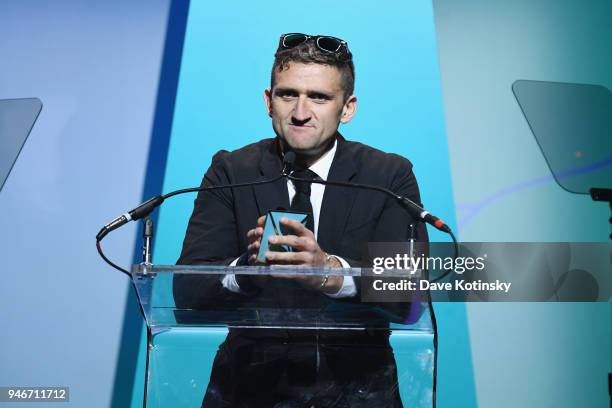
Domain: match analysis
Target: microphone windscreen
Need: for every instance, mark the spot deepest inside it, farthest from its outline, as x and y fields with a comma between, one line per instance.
x=288, y=159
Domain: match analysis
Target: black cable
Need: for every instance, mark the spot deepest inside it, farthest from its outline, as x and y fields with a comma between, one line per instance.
x=434, y=327
x=149, y=348
x=210, y=188
x=434, y=322
x=455, y=256
x=413, y=208
x=142, y=312
x=343, y=184
x=108, y=261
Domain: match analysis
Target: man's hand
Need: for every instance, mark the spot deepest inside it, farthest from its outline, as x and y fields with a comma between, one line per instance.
x=307, y=252
x=254, y=239
x=305, y=246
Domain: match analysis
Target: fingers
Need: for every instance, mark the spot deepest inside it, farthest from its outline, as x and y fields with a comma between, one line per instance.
x=252, y=250
x=255, y=234
x=303, y=242
x=306, y=250
x=297, y=243
x=289, y=258
x=254, y=239
x=252, y=254
x=261, y=220
x=298, y=228
x=310, y=281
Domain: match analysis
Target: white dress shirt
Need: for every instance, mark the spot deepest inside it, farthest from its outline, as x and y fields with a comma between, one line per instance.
x=321, y=167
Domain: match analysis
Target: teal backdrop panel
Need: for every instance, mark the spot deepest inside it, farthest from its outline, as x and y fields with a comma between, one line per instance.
x=227, y=57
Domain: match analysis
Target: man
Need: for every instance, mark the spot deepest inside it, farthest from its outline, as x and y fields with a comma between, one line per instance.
x=311, y=93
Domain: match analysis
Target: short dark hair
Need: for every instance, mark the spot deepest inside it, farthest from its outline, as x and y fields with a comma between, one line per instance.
x=309, y=53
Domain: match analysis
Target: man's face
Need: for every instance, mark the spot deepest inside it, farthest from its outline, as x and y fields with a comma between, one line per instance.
x=307, y=105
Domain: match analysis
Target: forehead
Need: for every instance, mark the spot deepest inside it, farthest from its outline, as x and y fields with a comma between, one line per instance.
x=309, y=77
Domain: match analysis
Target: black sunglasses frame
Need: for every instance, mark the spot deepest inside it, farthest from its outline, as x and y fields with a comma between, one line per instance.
x=342, y=45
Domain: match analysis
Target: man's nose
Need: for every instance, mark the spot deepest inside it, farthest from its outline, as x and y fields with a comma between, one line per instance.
x=301, y=113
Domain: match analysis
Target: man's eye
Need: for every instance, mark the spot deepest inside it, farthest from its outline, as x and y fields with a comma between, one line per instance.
x=287, y=94
x=319, y=98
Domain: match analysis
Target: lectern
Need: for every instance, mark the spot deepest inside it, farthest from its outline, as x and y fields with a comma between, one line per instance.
x=184, y=332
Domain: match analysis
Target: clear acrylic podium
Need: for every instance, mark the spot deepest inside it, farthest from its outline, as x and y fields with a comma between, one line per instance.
x=184, y=330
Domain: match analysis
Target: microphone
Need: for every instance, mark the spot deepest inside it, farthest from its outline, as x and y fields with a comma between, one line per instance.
x=288, y=160
x=137, y=213
x=419, y=212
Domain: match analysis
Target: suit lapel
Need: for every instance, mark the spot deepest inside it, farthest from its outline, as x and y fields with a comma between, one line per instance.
x=337, y=201
x=274, y=195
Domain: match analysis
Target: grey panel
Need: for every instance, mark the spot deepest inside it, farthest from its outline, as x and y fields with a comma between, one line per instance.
x=17, y=117
x=572, y=123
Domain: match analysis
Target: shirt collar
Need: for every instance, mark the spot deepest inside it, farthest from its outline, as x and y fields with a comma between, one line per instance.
x=322, y=166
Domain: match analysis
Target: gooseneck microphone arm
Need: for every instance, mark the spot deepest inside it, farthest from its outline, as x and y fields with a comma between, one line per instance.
x=417, y=212
x=414, y=209
x=148, y=206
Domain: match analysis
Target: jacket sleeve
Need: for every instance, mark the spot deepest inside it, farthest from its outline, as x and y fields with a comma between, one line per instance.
x=211, y=239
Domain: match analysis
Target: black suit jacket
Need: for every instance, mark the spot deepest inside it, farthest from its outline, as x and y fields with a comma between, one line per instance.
x=265, y=367
x=349, y=218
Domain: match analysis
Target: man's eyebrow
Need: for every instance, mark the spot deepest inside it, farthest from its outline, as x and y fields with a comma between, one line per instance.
x=282, y=89
x=313, y=93
x=320, y=94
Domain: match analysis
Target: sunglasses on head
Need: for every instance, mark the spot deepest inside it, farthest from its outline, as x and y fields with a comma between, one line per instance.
x=323, y=42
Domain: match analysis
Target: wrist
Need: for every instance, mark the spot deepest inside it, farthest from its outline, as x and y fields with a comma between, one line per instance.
x=331, y=261
x=331, y=284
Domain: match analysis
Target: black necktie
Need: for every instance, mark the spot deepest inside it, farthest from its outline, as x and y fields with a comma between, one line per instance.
x=301, y=199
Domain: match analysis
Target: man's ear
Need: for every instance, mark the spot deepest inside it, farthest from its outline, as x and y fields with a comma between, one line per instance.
x=349, y=109
x=268, y=100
